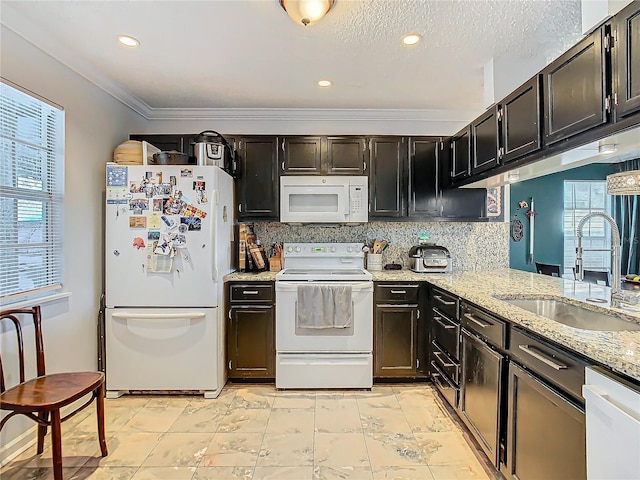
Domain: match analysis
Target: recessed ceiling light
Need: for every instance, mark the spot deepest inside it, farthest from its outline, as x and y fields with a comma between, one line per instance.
x=411, y=39
x=324, y=83
x=128, y=41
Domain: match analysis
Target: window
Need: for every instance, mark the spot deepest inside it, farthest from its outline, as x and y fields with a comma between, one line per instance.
x=31, y=193
x=581, y=198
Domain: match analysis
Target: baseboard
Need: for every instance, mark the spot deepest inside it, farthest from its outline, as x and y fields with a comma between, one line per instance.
x=18, y=445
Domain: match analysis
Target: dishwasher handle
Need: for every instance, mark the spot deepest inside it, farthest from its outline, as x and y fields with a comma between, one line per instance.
x=603, y=401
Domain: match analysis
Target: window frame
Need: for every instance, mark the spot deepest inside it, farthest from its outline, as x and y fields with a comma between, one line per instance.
x=31, y=190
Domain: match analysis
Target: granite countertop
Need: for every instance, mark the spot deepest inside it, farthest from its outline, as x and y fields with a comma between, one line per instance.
x=619, y=350
x=250, y=277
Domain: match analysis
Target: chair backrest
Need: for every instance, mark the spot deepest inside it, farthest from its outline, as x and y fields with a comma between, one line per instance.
x=595, y=276
x=548, y=269
x=15, y=317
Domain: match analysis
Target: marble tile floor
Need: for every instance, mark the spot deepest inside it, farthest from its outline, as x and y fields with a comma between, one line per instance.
x=256, y=432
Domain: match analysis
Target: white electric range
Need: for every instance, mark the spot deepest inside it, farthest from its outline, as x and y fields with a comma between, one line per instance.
x=326, y=357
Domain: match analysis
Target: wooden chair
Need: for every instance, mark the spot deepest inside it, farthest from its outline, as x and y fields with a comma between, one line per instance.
x=43, y=396
x=548, y=269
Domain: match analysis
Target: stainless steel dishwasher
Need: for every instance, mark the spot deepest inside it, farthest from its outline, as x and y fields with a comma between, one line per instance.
x=545, y=436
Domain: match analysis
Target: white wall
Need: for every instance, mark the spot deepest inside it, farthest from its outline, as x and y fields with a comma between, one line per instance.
x=95, y=124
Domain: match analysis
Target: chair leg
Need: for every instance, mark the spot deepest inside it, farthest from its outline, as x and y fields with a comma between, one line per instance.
x=56, y=444
x=42, y=431
x=100, y=412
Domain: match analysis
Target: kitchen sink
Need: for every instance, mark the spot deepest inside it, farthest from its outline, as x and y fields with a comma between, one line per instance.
x=572, y=315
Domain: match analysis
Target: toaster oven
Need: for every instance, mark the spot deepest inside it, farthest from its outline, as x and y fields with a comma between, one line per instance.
x=430, y=258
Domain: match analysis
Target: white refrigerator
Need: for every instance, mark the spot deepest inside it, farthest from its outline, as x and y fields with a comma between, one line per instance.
x=168, y=243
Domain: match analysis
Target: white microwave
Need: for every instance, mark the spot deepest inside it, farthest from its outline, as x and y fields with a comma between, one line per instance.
x=315, y=199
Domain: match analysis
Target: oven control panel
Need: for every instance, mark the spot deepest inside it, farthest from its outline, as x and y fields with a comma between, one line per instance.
x=323, y=249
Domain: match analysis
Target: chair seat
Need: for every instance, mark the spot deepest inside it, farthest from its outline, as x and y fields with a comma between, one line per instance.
x=50, y=391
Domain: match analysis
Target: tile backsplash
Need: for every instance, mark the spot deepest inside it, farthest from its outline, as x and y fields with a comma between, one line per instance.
x=473, y=246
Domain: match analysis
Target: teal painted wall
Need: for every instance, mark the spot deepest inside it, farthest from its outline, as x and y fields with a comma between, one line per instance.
x=547, y=193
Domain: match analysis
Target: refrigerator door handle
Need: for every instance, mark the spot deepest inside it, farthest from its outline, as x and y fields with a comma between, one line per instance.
x=159, y=316
x=214, y=229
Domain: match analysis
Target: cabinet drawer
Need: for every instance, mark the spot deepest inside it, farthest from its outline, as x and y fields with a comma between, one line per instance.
x=449, y=367
x=485, y=325
x=407, y=293
x=450, y=392
x=446, y=333
x=558, y=367
x=251, y=293
x=445, y=303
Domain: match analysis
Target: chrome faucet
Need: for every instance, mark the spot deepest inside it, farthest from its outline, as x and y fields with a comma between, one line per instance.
x=617, y=296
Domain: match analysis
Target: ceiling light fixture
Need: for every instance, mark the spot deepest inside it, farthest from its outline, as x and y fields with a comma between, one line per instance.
x=624, y=183
x=306, y=12
x=128, y=41
x=411, y=39
x=324, y=83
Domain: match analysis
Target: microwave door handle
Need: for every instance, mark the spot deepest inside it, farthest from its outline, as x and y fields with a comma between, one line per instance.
x=347, y=203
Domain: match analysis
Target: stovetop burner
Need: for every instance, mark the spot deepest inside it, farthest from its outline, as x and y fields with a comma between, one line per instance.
x=323, y=262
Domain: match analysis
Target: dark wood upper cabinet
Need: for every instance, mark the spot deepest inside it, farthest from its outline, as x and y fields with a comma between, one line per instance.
x=575, y=96
x=346, y=155
x=460, y=154
x=257, y=189
x=301, y=155
x=485, y=142
x=627, y=60
x=520, y=125
x=386, y=176
x=423, y=176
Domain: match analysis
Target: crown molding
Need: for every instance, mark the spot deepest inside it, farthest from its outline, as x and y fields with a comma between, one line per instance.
x=444, y=120
x=312, y=114
x=23, y=27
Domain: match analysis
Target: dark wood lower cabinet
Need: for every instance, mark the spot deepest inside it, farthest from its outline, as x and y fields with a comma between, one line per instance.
x=251, y=320
x=250, y=341
x=395, y=337
x=481, y=395
x=546, y=437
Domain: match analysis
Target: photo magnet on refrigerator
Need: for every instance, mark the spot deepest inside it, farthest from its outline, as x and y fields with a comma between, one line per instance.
x=138, y=242
x=138, y=222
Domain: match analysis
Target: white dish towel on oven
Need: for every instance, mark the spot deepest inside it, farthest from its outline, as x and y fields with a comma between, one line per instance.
x=324, y=306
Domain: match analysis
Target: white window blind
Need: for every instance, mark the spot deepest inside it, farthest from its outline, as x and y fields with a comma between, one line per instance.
x=582, y=197
x=31, y=193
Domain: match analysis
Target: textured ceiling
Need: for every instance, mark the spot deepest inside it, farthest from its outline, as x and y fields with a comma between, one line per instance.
x=232, y=54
